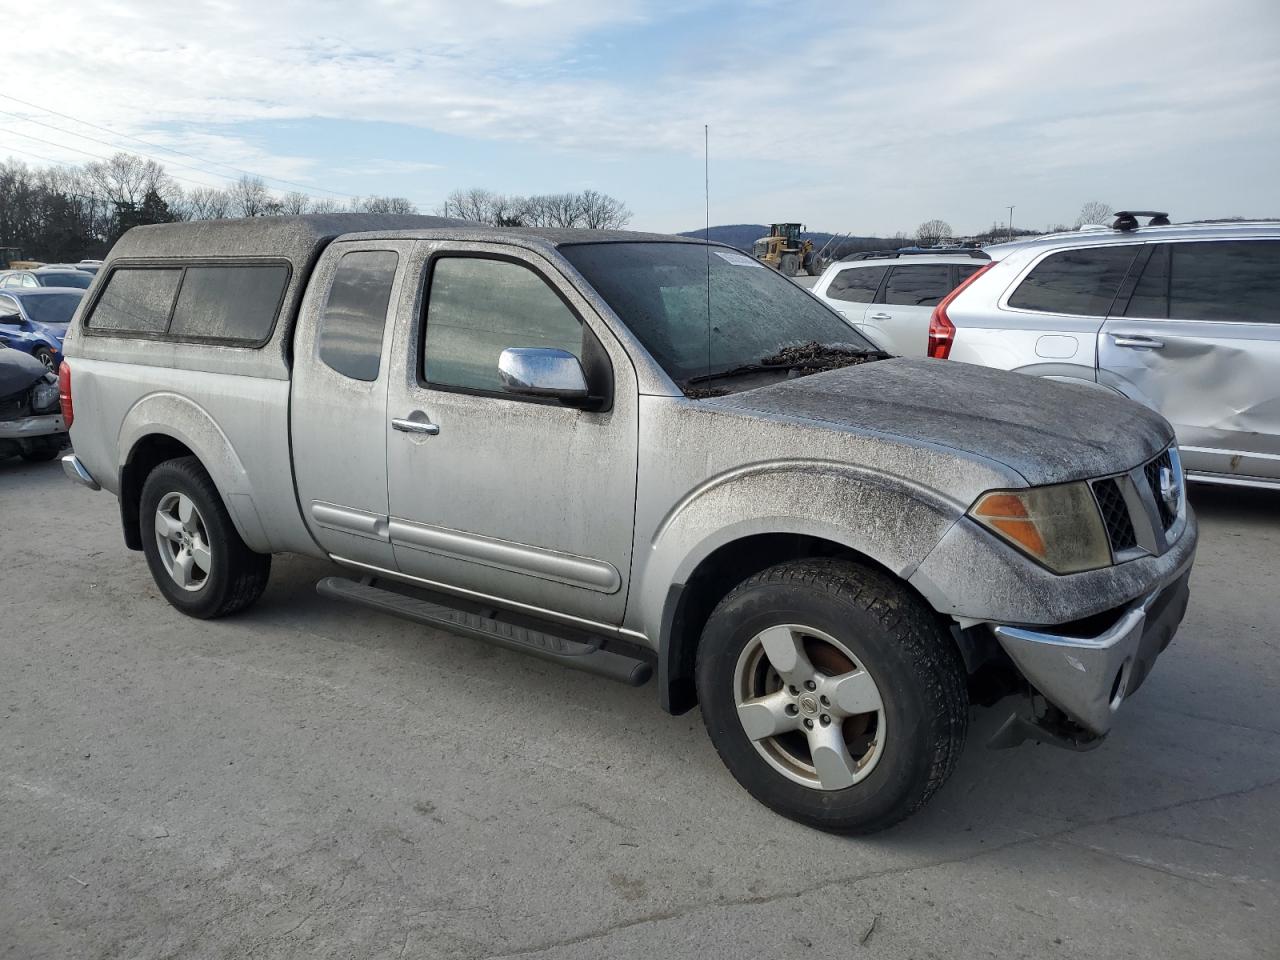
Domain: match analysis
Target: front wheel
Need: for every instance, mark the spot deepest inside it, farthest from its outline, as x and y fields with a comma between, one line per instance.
x=832, y=694
x=193, y=549
x=45, y=356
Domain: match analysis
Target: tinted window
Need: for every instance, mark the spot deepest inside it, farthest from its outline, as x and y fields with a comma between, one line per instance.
x=356, y=313
x=1225, y=281
x=922, y=285
x=478, y=308
x=856, y=284
x=52, y=308
x=1078, y=282
x=229, y=303
x=73, y=278
x=1151, y=295
x=136, y=300
x=966, y=271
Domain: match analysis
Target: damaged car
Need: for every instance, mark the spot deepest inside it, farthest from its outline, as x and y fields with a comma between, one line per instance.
x=31, y=424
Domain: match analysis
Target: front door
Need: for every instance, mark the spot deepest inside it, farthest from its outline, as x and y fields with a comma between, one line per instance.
x=523, y=500
x=1199, y=341
x=338, y=403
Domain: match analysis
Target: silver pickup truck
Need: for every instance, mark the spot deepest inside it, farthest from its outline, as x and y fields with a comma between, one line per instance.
x=637, y=454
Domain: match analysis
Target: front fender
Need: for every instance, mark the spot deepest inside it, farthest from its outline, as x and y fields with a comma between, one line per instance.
x=892, y=520
x=172, y=415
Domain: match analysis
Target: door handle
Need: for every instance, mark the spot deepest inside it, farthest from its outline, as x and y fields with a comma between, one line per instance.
x=415, y=426
x=881, y=316
x=1134, y=340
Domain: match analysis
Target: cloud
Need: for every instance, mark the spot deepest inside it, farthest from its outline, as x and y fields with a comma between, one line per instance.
x=905, y=105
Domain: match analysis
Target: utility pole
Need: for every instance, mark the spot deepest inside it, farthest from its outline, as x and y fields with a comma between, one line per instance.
x=1011, y=221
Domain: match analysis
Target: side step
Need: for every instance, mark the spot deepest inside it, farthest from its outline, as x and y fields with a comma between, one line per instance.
x=586, y=654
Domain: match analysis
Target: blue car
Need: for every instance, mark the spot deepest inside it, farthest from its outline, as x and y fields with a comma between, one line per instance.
x=34, y=320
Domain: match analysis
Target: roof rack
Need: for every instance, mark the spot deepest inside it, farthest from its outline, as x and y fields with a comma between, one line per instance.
x=919, y=252
x=1128, y=219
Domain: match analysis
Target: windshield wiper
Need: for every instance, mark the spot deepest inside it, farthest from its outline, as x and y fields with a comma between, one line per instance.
x=813, y=357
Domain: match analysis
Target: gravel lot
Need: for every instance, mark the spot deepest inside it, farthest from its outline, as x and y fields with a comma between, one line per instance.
x=311, y=780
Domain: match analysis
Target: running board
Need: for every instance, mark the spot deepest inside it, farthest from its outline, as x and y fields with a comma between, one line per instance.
x=587, y=654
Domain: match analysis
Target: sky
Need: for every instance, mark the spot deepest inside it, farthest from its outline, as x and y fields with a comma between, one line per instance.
x=846, y=116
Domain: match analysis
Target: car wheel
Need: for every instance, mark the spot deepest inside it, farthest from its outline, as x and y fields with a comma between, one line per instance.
x=195, y=554
x=833, y=694
x=45, y=356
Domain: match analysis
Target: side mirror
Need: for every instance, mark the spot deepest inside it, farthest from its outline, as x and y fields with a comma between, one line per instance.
x=543, y=372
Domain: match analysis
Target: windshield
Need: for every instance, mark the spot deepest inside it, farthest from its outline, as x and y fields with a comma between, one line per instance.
x=51, y=307
x=72, y=278
x=660, y=291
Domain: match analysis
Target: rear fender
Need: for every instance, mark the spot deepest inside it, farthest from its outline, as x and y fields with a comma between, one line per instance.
x=171, y=415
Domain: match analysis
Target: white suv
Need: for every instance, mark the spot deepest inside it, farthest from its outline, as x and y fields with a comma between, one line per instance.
x=1183, y=318
x=889, y=296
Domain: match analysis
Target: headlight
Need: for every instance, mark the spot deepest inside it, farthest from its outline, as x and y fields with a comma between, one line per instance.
x=44, y=396
x=1058, y=526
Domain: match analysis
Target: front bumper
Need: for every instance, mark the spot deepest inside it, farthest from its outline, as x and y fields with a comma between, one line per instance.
x=1087, y=678
x=28, y=428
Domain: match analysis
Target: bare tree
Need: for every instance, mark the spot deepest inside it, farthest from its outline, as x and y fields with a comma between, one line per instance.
x=325, y=205
x=127, y=179
x=295, y=202
x=249, y=197
x=207, y=203
x=383, y=205
x=931, y=232
x=1095, y=211
x=603, y=212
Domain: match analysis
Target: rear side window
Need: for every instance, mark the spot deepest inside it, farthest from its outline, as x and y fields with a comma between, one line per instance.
x=136, y=300
x=477, y=308
x=922, y=285
x=1077, y=282
x=1217, y=280
x=964, y=272
x=856, y=284
x=229, y=303
x=356, y=313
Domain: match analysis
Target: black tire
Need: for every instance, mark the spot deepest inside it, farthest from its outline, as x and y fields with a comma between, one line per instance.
x=789, y=264
x=237, y=575
x=45, y=356
x=895, y=637
x=41, y=454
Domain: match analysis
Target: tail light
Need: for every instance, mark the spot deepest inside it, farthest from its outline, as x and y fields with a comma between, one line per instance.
x=64, y=393
x=942, y=332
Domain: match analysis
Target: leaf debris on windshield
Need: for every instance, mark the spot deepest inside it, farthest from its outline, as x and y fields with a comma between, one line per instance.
x=814, y=357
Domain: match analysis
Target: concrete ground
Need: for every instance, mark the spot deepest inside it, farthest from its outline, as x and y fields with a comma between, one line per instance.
x=311, y=780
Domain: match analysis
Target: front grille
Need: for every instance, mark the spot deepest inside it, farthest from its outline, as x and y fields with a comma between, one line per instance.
x=1115, y=515
x=1152, y=471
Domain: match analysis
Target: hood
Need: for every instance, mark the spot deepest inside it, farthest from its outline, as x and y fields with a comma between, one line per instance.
x=1047, y=431
x=18, y=371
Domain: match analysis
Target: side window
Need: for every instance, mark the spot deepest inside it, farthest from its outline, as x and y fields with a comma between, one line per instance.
x=477, y=308
x=1077, y=282
x=1151, y=295
x=856, y=284
x=8, y=307
x=920, y=285
x=356, y=313
x=966, y=271
x=29, y=281
x=229, y=303
x=1225, y=280
x=136, y=300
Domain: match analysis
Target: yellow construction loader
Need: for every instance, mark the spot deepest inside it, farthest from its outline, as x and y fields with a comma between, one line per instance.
x=783, y=250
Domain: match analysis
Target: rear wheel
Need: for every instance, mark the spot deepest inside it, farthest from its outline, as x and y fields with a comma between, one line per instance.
x=832, y=694
x=195, y=554
x=45, y=356
x=789, y=264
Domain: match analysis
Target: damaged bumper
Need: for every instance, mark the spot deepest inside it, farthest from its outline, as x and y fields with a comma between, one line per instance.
x=1087, y=678
x=29, y=428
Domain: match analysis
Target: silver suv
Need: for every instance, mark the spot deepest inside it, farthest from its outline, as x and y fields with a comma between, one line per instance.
x=1182, y=318
x=889, y=296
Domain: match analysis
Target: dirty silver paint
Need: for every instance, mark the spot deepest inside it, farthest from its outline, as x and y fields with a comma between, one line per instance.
x=591, y=516
x=1215, y=381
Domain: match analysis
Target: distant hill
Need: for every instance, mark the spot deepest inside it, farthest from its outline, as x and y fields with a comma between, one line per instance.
x=743, y=235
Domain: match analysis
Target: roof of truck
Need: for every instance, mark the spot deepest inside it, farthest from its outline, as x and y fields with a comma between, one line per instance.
x=300, y=239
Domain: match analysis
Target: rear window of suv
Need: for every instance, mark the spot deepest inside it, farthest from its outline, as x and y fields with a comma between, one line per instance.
x=1076, y=282
x=234, y=304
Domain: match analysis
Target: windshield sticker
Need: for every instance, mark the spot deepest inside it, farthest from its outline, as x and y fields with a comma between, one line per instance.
x=737, y=259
